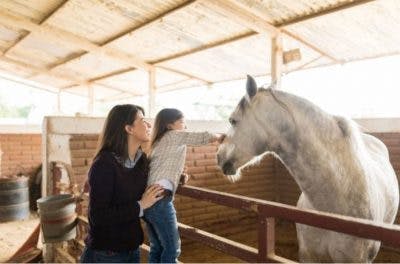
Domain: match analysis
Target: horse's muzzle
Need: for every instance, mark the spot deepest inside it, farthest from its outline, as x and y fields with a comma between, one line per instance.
x=228, y=168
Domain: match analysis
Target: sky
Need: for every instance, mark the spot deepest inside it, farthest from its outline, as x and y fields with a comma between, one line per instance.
x=368, y=88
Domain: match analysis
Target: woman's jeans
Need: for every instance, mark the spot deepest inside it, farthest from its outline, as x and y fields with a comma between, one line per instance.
x=162, y=229
x=107, y=256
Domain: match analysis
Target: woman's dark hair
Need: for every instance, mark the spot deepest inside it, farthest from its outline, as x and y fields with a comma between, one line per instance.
x=114, y=137
x=164, y=118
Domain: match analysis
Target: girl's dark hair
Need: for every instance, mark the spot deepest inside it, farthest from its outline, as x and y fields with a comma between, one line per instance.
x=164, y=118
x=114, y=137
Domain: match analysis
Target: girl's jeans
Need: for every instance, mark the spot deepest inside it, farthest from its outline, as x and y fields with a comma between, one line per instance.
x=107, y=256
x=162, y=229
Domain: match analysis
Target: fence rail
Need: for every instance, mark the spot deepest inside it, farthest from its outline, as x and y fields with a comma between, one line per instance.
x=267, y=211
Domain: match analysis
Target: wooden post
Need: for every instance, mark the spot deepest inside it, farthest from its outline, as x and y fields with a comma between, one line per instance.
x=152, y=93
x=266, y=238
x=47, y=183
x=59, y=102
x=276, y=60
x=90, y=100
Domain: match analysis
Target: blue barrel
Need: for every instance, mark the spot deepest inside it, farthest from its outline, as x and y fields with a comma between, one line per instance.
x=14, y=199
x=57, y=217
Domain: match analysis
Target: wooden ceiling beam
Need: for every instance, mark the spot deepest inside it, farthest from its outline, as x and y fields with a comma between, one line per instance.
x=244, y=15
x=40, y=70
x=61, y=36
x=62, y=76
x=280, y=26
x=332, y=9
x=116, y=89
x=24, y=36
x=136, y=28
x=98, y=78
x=223, y=42
x=116, y=97
x=235, y=12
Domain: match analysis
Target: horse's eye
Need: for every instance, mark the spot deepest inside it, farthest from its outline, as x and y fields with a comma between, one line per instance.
x=232, y=121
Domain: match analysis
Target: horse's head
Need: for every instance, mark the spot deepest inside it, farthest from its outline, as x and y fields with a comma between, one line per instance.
x=254, y=128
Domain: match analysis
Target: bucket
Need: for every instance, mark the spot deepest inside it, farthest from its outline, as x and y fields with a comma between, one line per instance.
x=14, y=199
x=57, y=217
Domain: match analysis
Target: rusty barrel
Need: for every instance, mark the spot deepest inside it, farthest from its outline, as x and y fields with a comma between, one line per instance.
x=57, y=217
x=14, y=199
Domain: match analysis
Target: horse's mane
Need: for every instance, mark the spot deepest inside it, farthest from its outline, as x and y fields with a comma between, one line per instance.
x=312, y=112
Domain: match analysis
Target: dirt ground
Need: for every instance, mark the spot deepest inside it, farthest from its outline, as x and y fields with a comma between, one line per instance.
x=14, y=234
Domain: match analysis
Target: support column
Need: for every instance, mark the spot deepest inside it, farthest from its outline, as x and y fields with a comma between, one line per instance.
x=59, y=102
x=90, y=100
x=276, y=60
x=152, y=93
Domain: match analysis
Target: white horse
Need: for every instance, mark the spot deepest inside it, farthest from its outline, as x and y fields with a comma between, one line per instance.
x=338, y=168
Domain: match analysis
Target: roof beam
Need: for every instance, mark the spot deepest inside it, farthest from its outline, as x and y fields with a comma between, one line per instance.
x=235, y=12
x=280, y=25
x=40, y=70
x=244, y=15
x=117, y=97
x=24, y=36
x=145, y=25
x=61, y=76
x=115, y=89
x=205, y=47
x=63, y=37
x=339, y=7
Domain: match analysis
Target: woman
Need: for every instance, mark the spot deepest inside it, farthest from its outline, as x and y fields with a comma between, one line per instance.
x=117, y=188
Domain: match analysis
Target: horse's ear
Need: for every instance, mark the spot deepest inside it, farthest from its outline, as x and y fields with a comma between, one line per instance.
x=251, y=86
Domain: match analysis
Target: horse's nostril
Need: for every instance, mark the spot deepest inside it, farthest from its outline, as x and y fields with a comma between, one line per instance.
x=228, y=169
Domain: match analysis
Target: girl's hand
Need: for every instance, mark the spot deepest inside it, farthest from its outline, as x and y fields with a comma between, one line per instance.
x=218, y=138
x=152, y=194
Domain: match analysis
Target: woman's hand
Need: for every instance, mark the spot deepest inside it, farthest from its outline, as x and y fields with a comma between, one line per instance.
x=152, y=194
x=184, y=178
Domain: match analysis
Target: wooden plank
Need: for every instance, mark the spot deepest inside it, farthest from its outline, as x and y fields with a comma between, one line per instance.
x=388, y=234
x=63, y=37
x=340, y=6
x=225, y=245
x=243, y=14
x=266, y=238
x=152, y=93
x=232, y=10
x=32, y=255
x=24, y=36
x=276, y=61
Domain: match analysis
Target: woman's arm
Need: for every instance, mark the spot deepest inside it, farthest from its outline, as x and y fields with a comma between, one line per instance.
x=101, y=210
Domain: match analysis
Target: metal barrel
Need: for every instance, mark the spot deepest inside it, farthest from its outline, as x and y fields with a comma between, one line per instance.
x=14, y=199
x=57, y=217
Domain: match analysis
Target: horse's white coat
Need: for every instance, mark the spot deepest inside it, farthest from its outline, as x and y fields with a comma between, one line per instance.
x=338, y=168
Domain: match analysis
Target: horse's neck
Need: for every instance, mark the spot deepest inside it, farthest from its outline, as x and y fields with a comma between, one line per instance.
x=322, y=162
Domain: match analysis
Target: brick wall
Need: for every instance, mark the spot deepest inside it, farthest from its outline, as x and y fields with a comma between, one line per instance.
x=82, y=148
x=201, y=163
x=268, y=180
x=21, y=153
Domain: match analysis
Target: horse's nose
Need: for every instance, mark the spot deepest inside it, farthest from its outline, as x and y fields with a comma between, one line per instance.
x=228, y=168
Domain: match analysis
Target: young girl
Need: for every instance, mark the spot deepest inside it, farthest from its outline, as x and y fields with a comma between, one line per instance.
x=167, y=159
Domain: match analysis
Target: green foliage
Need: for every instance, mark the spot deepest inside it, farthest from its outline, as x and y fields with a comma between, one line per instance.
x=14, y=111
